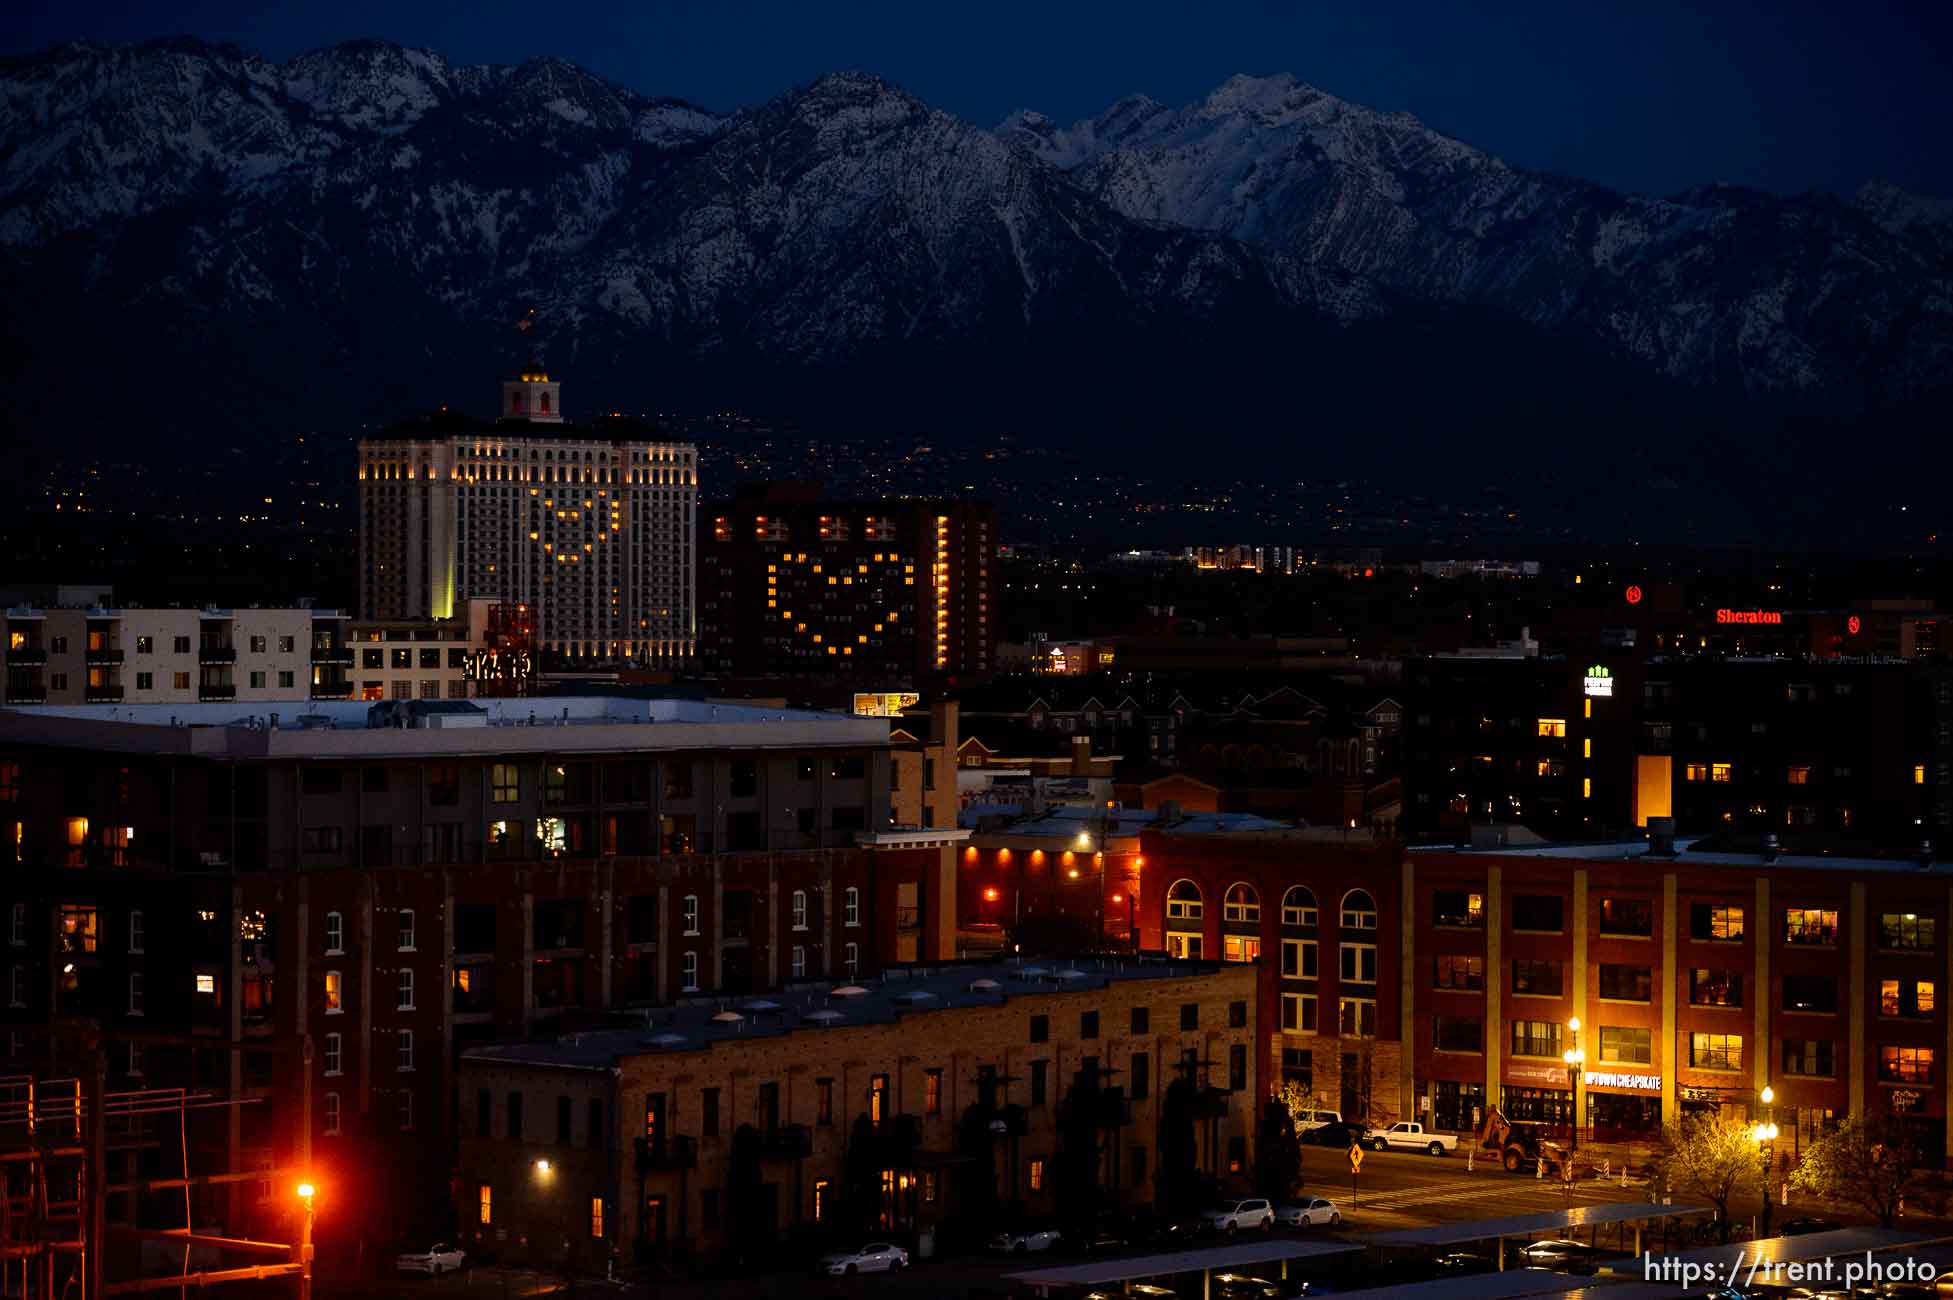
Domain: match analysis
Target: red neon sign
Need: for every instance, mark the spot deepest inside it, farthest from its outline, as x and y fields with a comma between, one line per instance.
x=1852, y=625
x=1634, y=595
x=1752, y=616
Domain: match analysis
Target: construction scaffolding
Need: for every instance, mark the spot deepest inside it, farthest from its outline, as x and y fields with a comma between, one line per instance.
x=56, y=1135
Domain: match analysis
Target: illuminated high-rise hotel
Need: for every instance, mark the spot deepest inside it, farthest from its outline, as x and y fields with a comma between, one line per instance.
x=589, y=525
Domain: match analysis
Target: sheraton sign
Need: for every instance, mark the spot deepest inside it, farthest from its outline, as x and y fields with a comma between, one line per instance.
x=1751, y=616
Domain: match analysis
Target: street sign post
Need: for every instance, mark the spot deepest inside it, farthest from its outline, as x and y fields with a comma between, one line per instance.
x=1355, y=1163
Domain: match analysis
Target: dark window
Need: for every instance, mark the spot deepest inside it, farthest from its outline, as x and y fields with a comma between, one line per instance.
x=1808, y=1056
x=823, y=1101
x=1530, y=975
x=709, y=1112
x=1139, y=1072
x=1627, y=1043
x=743, y=833
x=1456, y=972
x=563, y=1106
x=1088, y=1024
x=1038, y=1070
x=641, y=919
x=1715, y=988
x=1536, y=1038
x=1538, y=912
x=708, y=1208
x=321, y=780
x=1625, y=983
x=1237, y=1066
x=1298, y=1067
x=1141, y=1020
x=848, y=767
x=515, y=1117
x=1040, y=1029
x=474, y=927
x=1457, y=908
x=444, y=784
x=1810, y=993
x=848, y=817
x=1237, y=1015
x=484, y=1113
x=594, y=1122
x=1628, y=916
x=373, y=780
x=1190, y=1015
x=1458, y=1033
x=745, y=778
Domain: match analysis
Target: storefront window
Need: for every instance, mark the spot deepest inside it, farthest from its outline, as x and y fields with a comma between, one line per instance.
x=1457, y=1106
x=1618, y=1117
x=1552, y=1107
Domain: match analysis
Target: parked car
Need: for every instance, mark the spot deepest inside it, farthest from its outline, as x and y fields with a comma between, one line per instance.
x=1805, y=1226
x=1142, y=1289
x=1308, y=1121
x=875, y=1257
x=1302, y=1214
x=1253, y=1213
x=1239, y=1286
x=1024, y=1239
x=1411, y=1136
x=435, y=1260
x=1338, y=1134
x=1461, y=1262
x=1561, y=1256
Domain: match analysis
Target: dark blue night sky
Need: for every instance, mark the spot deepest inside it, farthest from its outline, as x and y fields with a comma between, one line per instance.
x=1786, y=96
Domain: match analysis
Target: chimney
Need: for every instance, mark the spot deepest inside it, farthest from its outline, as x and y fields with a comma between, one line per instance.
x=1081, y=755
x=1661, y=837
x=1770, y=847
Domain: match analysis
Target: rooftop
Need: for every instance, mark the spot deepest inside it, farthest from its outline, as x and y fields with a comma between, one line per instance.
x=552, y=724
x=1069, y=821
x=1699, y=853
x=829, y=1007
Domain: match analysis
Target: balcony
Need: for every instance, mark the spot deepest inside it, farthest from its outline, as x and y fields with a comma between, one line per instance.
x=27, y=656
x=103, y=658
x=338, y=654
x=214, y=691
x=217, y=654
x=102, y=694
x=25, y=694
x=789, y=1142
x=332, y=691
x=678, y=1152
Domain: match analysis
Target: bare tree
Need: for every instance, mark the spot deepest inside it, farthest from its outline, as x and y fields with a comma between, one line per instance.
x=1870, y=1163
x=1712, y=1158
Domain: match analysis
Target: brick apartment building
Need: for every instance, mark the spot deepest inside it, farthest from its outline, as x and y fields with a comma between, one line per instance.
x=222, y=894
x=550, y=1170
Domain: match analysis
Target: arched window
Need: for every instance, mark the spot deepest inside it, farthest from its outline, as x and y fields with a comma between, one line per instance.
x=545, y=403
x=1183, y=901
x=1241, y=903
x=1298, y=906
x=515, y=402
x=1359, y=910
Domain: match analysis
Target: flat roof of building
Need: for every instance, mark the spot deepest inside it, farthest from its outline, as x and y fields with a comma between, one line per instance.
x=1210, y=1259
x=1508, y=1284
x=1688, y=854
x=1069, y=821
x=1524, y=1225
x=358, y=729
x=827, y=1007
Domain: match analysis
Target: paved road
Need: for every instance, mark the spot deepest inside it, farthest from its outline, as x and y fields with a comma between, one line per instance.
x=1394, y=1190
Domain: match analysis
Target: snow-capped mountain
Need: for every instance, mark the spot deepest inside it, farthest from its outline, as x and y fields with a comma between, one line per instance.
x=1801, y=295
x=353, y=233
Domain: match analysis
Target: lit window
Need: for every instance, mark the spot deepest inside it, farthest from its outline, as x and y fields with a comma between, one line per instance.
x=1722, y=773
x=335, y=986
x=597, y=1216
x=207, y=985
x=485, y=1203
x=1037, y=1175
x=1553, y=727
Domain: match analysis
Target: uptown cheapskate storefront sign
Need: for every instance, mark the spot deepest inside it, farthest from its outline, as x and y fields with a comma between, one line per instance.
x=1635, y=1082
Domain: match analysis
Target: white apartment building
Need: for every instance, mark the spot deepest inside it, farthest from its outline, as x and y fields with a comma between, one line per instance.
x=98, y=654
x=588, y=525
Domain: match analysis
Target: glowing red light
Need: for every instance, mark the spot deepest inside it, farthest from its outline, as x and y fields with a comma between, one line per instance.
x=989, y=895
x=1369, y=573
x=1634, y=595
x=1852, y=625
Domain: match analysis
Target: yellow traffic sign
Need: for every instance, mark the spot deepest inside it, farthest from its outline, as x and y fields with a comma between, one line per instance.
x=1355, y=1157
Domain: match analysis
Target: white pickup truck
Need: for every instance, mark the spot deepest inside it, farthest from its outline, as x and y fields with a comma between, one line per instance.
x=1412, y=1137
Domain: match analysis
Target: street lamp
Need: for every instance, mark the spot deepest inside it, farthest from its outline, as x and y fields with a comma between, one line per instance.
x=1765, y=1137
x=305, y=1193
x=1574, y=1059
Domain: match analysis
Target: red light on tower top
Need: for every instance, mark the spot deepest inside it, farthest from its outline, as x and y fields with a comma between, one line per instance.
x=1633, y=594
x=1853, y=626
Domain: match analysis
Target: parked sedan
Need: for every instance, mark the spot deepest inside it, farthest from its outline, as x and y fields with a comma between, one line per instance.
x=1239, y=1286
x=875, y=1257
x=1312, y=1211
x=1561, y=1256
x=1141, y=1289
x=1025, y=1239
x=435, y=1260
x=1803, y=1227
x=1255, y=1213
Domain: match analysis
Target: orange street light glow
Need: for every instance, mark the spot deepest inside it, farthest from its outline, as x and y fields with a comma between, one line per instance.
x=305, y=1191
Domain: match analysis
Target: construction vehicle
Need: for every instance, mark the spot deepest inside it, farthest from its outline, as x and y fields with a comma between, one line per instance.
x=1519, y=1146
